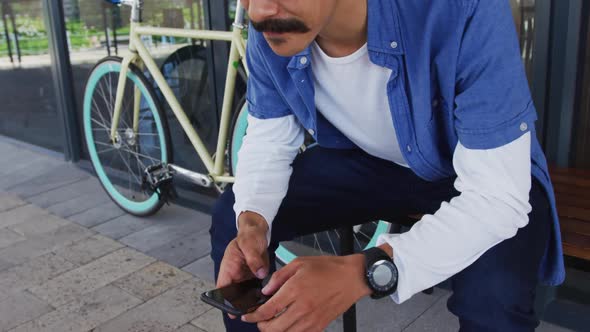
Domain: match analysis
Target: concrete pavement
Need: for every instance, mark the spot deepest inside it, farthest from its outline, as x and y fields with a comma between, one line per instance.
x=70, y=260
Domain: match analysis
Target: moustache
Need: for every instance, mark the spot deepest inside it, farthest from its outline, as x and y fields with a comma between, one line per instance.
x=281, y=26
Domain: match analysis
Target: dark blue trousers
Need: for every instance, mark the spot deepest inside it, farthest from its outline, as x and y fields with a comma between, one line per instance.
x=331, y=188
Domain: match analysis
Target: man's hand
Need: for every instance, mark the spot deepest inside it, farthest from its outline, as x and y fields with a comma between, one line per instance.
x=245, y=257
x=312, y=292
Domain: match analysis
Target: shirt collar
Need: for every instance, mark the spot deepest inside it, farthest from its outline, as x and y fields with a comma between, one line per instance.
x=383, y=33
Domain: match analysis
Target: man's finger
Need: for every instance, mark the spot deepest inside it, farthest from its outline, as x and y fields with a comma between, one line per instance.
x=287, y=320
x=278, y=303
x=232, y=268
x=279, y=278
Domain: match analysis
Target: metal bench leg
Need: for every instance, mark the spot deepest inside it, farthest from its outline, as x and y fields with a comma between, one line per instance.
x=347, y=248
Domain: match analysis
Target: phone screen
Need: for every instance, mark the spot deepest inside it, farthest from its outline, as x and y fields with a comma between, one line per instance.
x=238, y=298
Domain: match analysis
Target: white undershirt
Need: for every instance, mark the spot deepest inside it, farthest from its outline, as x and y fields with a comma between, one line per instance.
x=351, y=93
x=494, y=184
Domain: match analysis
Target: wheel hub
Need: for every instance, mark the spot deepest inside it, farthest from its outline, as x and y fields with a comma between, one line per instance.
x=130, y=137
x=117, y=142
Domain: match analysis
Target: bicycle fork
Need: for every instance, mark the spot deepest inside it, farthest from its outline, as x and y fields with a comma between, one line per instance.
x=119, y=100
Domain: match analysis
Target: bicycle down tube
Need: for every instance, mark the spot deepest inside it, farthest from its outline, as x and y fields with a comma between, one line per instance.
x=140, y=55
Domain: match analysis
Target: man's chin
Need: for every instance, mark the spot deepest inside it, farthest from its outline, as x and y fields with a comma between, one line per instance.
x=282, y=45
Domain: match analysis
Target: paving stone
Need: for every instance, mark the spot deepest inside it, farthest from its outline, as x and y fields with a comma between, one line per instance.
x=184, y=250
x=101, y=272
x=4, y=265
x=87, y=250
x=152, y=280
x=15, y=159
x=336, y=326
x=201, y=268
x=9, y=237
x=66, y=192
x=97, y=215
x=212, y=320
x=436, y=318
x=78, y=204
x=58, y=176
x=164, y=313
x=569, y=314
x=20, y=308
x=394, y=317
x=38, y=245
x=32, y=273
x=28, y=171
x=178, y=224
x=548, y=327
x=9, y=201
x=123, y=226
x=38, y=226
x=85, y=313
x=21, y=214
x=190, y=328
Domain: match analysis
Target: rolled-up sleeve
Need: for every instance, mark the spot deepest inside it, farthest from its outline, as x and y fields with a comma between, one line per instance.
x=493, y=100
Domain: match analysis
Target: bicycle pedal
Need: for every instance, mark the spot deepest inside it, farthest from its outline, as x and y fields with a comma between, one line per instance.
x=158, y=179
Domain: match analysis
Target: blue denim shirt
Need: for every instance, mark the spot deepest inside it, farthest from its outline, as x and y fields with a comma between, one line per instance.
x=457, y=75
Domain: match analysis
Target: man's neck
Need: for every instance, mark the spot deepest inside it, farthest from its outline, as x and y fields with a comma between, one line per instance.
x=346, y=32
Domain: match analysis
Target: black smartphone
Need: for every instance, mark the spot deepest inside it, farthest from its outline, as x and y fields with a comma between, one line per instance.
x=237, y=299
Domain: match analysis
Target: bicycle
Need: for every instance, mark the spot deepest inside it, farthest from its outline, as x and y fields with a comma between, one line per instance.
x=129, y=142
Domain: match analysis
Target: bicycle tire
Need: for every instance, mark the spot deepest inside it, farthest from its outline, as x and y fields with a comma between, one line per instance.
x=134, y=199
x=287, y=252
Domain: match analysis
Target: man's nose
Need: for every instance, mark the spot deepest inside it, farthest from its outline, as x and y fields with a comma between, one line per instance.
x=260, y=10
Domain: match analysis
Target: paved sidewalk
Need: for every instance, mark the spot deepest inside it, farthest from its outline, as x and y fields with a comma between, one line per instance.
x=70, y=260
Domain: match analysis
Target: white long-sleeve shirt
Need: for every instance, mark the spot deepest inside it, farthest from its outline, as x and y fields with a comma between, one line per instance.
x=494, y=184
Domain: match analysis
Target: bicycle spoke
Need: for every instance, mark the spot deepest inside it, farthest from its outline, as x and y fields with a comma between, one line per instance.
x=315, y=236
x=358, y=243
x=331, y=243
x=140, y=162
x=364, y=234
x=130, y=172
x=103, y=144
x=143, y=155
x=105, y=150
x=128, y=167
x=148, y=134
x=100, y=124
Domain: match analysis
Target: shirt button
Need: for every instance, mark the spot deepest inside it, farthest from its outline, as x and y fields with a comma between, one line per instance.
x=311, y=132
x=393, y=44
x=409, y=148
x=523, y=126
x=303, y=60
x=435, y=102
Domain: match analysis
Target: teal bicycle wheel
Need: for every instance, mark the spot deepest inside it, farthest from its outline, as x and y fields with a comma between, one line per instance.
x=120, y=165
x=324, y=243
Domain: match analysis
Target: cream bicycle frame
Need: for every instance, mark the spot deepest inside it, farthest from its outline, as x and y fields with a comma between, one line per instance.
x=139, y=55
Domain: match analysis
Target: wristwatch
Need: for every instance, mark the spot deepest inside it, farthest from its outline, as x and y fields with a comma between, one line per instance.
x=381, y=272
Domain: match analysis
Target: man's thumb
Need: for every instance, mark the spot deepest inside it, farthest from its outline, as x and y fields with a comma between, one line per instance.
x=257, y=260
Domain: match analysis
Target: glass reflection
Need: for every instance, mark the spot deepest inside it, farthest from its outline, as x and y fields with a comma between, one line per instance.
x=524, y=19
x=28, y=109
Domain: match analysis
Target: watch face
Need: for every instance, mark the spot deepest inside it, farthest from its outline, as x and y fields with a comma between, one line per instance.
x=382, y=276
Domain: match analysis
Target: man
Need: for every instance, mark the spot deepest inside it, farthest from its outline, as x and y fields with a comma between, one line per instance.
x=417, y=106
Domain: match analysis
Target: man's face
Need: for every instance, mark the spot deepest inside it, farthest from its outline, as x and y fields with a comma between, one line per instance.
x=289, y=26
